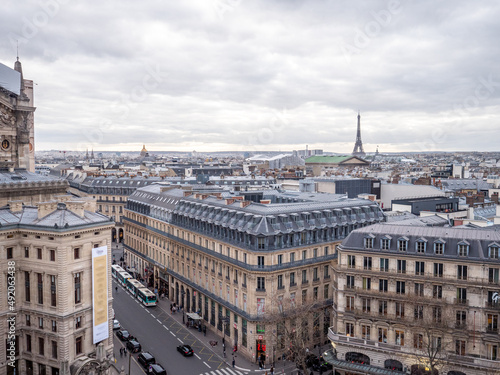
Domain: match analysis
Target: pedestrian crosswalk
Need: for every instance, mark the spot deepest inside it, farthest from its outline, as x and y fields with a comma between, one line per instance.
x=225, y=371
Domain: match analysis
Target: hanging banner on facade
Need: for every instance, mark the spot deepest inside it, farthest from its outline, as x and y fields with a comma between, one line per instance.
x=100, y=293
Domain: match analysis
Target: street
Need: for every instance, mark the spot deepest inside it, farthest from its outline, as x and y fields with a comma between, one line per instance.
x=160, y=334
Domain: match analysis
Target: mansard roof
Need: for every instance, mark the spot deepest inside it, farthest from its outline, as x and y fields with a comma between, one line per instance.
x=478, y=239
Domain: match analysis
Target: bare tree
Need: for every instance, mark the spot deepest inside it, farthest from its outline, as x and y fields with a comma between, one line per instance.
x=295, y=327
x=431, y=327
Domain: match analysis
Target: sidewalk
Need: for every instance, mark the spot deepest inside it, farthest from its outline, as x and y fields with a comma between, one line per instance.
x=124, y=361
x=241, y=363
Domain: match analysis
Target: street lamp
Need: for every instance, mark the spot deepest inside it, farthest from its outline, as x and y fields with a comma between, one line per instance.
x=224, y=321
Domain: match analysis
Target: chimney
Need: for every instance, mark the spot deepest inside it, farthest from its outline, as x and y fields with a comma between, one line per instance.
x=243, y=204
x=15, y=206
x=230, y=201
x=45, y=208
x=77, y=207
x=265, y=201
x=239, y=198
x=187, y=193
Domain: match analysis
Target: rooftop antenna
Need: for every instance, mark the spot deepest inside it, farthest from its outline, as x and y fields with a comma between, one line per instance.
x=17, y=41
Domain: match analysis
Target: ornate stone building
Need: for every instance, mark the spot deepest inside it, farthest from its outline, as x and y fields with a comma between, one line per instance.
x=416, y=298
x=232, y=257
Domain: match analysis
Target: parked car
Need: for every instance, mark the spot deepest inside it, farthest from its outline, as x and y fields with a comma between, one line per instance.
x=156, y=369
x=146, y=359
x=185, y=350
x=123, y=335
x=133, y=346
x=116, y=324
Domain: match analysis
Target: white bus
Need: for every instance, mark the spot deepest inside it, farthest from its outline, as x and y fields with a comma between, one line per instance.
x=122, y=277
x=115, y=269
x=133, y=286
x=147, y=297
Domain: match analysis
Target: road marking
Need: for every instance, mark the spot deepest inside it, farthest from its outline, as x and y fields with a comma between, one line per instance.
x=164, y=326
x=206, y=364
x=197, y=356
x=158, y=320
x=173, y=333
x=179, y=340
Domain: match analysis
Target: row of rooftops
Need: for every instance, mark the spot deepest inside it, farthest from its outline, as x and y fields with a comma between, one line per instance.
x=312, y=211
x=478, y=241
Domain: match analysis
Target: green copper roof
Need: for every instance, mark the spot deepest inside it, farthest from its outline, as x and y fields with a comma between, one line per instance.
x=327, y=159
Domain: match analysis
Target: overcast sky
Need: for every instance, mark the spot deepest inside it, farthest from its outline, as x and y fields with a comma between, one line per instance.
x=220, y=75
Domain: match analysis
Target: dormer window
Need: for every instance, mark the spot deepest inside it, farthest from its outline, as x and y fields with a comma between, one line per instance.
x=463, y=249
x=385, y=243
x=439, y=247
x=421, y=245
x=493, y=251
x=368, y=242
x=403, y=244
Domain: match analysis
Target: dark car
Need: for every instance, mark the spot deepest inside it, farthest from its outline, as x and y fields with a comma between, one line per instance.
x=133, y=346
x=146, y=359
x=185, y=350
x=156, y=369
x=123, y=335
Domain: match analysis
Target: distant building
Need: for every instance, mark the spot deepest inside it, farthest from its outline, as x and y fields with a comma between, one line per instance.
x=317, y=165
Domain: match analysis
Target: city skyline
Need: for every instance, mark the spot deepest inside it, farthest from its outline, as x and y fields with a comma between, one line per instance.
x=236, y=75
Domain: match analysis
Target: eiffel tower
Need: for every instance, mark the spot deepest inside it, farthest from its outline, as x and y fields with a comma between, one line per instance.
x=358, y=146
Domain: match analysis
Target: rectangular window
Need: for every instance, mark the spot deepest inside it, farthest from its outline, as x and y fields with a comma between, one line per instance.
x=304, y=277
x=280, y=259
x=436, y=314
x=326, y=289
x=492, y=323
x=419, y=268
x=292, y=257
x=366, y=305
x=493, y=275
x=53, y=299
x=260, y=262
x=460, y=347
x=78, y=322
x=350, y=282
x=349, y=329
x=27, y=289
x=54, y=326
x=367, y=263
x=400, y=337
x=382, y=308
x=315, y=293
x=315, y=274
x=28, y=343
x=461, y=272
x=76, y=253
x=54, y=349
x=493, y=252
x=384, y=265
x=437, y=291
x=79, y=345
x=28, y=320
x=261, y=283
x=438, y=269
x=461, y=319
x=462, y=295
x=365, y=332
x=438, y=248
x=41, y=346
x=463, y=250
x=419, y=289
x=368, y=243
x=402, y=245
x=52, y=255
x=10, y=252
x=326, y=272
x=420, y=246
x=400, y=310
x=40, y=288
x=382, y=335
x=304, y=254
x=304, y=296
x=77, y=280
x=367, y=283
x=351, y=261
x=492, y=352
x=382, y=285
x=385, y=244
x=26, y=252
x=401, y=266
x=39, y=253
x=418, y=341
x=349, y=303
x=280, y=282
x=400, y=287
x=419, y=312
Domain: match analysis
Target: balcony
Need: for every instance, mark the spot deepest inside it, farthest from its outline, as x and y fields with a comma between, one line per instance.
x=360, y=343
x=460, y=301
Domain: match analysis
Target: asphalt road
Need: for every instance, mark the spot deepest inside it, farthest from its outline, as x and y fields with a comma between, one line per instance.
x=160, y=335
